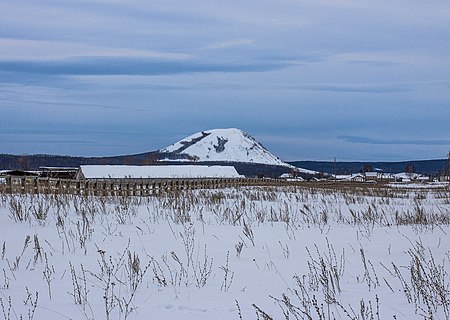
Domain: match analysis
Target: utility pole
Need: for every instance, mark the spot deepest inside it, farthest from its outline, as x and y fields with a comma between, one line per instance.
x=335, y=167
x=447, y=172
x=445, y=175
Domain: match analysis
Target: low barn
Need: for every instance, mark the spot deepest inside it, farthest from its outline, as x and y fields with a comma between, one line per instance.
x=19, y=173
x=59, y=172
x=155, y=172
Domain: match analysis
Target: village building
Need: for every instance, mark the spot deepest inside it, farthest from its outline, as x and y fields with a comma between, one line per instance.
x=19, y=173
x=59, y=172
x=291, y=177
x=155, y=172
x=371, y=176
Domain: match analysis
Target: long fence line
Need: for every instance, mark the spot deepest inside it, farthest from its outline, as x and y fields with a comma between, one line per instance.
x=137, y=187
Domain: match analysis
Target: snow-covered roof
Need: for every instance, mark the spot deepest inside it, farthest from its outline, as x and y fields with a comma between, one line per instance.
x=182, y=171
x=349, y=177
x=371, y=174
x=20, y=172
x=406, y=175
x=291, y=177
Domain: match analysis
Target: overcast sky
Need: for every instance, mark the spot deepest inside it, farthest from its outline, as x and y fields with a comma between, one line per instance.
x=311, y=80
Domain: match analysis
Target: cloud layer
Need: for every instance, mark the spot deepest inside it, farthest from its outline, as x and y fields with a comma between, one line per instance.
x=356, y=80
x=100, y=66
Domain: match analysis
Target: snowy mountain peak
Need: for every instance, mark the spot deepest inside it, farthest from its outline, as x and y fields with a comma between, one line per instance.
x=231, y=145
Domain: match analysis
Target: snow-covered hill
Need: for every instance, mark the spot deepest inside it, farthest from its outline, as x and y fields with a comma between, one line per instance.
x=228, y=145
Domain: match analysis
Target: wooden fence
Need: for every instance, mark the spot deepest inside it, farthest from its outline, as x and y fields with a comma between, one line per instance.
x=138, y=187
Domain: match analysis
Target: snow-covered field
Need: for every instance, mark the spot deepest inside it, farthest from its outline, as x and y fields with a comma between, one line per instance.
x=246, y=253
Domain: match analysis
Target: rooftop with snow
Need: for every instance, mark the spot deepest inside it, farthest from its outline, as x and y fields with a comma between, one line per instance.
x=158, y=172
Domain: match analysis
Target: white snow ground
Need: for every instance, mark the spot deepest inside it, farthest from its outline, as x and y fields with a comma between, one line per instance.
x=341, y=254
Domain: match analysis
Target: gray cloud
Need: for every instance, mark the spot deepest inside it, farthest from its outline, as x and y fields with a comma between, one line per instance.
x=363, y=140
x=132, y=66
x=375, y=63
x=355, y=88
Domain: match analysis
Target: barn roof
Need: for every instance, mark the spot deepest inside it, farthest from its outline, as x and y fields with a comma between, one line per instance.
x=173, y=171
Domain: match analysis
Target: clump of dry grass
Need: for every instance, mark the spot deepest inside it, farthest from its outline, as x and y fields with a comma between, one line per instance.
x=30, y=304
x=426, y=283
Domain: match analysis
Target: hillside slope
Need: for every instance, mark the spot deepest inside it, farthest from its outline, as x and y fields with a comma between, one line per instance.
x=227, y=145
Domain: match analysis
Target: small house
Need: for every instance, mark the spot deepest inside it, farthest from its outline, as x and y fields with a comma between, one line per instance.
x=371, y=176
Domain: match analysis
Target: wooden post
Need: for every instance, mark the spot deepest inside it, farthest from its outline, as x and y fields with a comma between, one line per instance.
x=134, y=187
x=153, y=188
x=9, y=184
x=35, y=186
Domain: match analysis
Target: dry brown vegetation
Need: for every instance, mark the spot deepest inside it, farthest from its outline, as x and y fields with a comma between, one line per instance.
x=316, y=292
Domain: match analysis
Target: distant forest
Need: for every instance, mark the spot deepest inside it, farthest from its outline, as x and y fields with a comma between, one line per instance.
x=34, y=162
x=428, y=167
